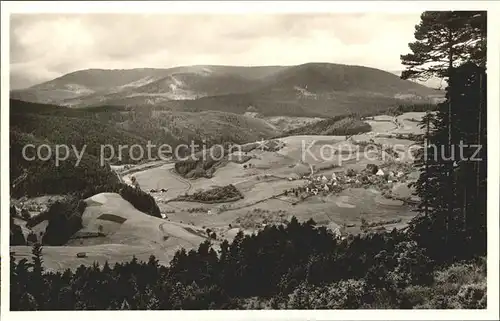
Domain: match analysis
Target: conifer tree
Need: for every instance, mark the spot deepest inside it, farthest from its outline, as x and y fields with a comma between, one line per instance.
x=443, y=40
x=449, y=44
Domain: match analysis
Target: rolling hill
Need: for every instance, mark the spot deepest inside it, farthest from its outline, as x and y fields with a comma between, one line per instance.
x=308, y=90
x=113, y=230
x=120, y=125
x=91, y=128
x=204, y=104
x=95, y=86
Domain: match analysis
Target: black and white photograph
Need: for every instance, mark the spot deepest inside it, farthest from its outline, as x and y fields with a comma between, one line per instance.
x=318, y=160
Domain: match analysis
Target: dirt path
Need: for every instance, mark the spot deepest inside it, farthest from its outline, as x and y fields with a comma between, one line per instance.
x=195, y=244
x=143, y=167
x=179, y=179
x=255, y=203
x=125, y=174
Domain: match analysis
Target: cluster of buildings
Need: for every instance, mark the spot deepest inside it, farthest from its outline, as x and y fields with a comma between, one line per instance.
x=338, y=181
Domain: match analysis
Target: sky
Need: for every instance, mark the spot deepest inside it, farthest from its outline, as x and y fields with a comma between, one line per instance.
x=47, y=46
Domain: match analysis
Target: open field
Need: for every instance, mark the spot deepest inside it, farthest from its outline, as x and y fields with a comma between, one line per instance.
x=59, y=258
x=410, y=123
x=273, y=172
x=125, y=231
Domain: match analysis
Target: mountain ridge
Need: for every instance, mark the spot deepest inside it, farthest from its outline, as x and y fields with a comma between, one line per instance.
x=277, y=86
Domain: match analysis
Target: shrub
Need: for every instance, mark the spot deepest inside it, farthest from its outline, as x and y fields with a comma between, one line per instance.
x=416, y=296
x=405, y=265
x=372, y=168
x=351, y=172
x=473, y=296
x=345, y=294
x=462, y=273
x=413, y=266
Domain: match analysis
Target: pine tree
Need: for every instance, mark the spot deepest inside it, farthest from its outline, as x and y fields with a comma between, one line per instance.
x=469, y=89
x=446, y=43
x=444, y=39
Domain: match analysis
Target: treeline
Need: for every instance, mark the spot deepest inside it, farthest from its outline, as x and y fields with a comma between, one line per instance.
x=203, y=163
x=296, y=266
x=352, y=123
x=64, y=220
x=140, y=199
x=401, y=109
x=337, y=126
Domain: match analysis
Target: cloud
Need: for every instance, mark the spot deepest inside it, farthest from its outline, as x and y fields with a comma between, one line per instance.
x=45, y=46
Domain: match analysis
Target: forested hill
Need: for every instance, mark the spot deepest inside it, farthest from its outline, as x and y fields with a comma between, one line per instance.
x=116, y=126
x=307, y=90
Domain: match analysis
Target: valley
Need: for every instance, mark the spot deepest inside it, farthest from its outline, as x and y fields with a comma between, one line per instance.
x=294, y=160
x=275, y=186
x=317, y=122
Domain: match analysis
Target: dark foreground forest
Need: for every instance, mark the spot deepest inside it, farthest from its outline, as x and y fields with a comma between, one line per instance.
x=298, y=266
x=438, y=261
